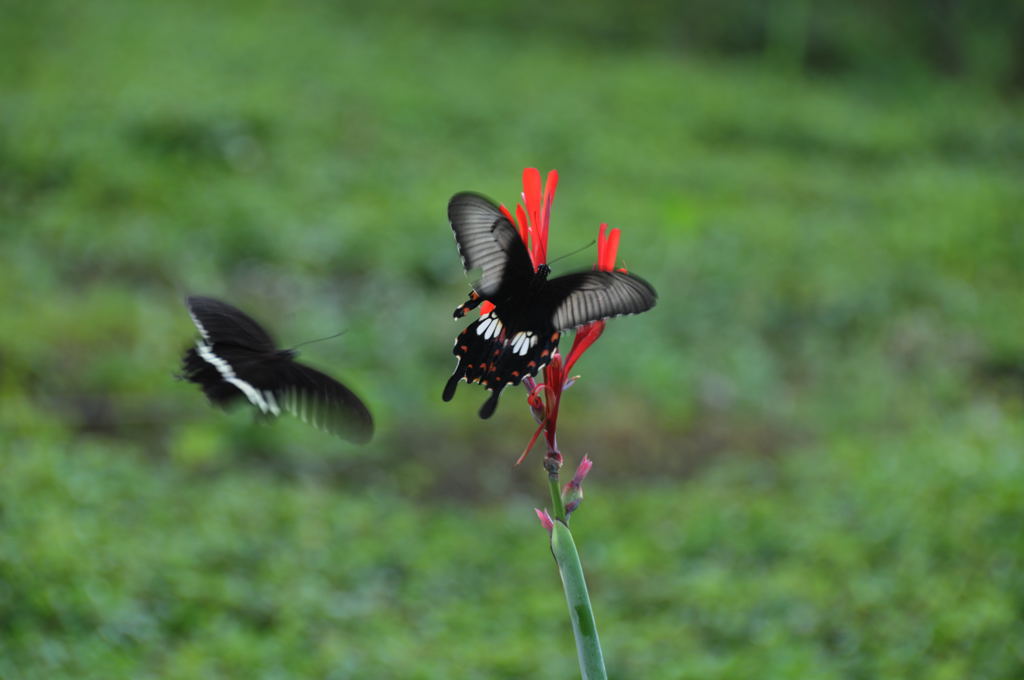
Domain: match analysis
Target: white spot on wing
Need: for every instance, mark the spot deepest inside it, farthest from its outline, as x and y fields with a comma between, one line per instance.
x=485, y=324
x=496, y=328
x=523, y=342
x=490, y=327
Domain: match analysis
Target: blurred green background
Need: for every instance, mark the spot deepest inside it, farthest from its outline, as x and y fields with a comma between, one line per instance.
x=808, y=456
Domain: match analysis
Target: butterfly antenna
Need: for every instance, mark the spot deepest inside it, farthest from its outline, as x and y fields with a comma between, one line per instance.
x=562, y=257
x=310, y=342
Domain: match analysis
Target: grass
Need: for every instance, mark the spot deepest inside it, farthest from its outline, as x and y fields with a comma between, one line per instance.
x=872, y=559
x=807, y=454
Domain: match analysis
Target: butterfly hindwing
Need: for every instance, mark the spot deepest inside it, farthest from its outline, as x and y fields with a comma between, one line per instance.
x=490, y=355
x=489, y=242
x=323, y=402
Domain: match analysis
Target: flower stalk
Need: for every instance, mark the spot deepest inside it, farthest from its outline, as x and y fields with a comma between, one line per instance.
x=584, y=628
x=557, y=506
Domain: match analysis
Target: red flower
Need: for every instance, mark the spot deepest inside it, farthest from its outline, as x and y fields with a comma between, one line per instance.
x=532, y=220
x=545, y=398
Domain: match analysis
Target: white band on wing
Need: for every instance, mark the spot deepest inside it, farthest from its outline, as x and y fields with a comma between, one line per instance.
x=202, y=330
x=226, y=372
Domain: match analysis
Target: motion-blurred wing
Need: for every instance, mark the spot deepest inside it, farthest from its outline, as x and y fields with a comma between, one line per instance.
x=221, y=323
x=322, y=401
x=489, y=242
x=577, y=299
x=227, y=374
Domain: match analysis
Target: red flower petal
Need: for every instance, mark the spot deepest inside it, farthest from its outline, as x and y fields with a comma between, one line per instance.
x=534, y=397
x=524, y=229
x=533, y=440
x=607, y=248
x=508, y=215
x=531, y=195
x=550, y=185
x=585, y=337
x=612, y=249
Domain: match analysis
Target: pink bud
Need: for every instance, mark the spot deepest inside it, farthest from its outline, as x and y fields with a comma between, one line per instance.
x=545, y=519
x=582, y=470
x=572, y=493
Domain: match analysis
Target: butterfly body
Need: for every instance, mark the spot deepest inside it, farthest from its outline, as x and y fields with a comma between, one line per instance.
x=517, y=338
x=236, y=360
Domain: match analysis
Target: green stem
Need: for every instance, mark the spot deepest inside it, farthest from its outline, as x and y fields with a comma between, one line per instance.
x=557, y=506
x=588, y=646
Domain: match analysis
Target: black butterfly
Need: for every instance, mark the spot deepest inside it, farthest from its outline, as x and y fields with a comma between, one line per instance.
x=236, y=358
x=517, y=337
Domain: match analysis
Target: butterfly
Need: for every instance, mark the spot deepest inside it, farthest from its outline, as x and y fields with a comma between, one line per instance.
x=236, y=358
x=516, y=339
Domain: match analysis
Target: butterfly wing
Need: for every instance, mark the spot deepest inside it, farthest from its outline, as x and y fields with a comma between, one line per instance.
x=322, y=401
x=494, y=358
x=228, y=374
x=576, y=299
x=489, y=242
x=221, y=323
x=275, y=383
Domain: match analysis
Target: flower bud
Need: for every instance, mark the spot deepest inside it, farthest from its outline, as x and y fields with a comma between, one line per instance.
x=572, y=493
x=545, y=519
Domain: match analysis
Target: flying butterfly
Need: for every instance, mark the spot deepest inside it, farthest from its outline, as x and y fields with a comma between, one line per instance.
x=236, y=358
x=516, y=339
